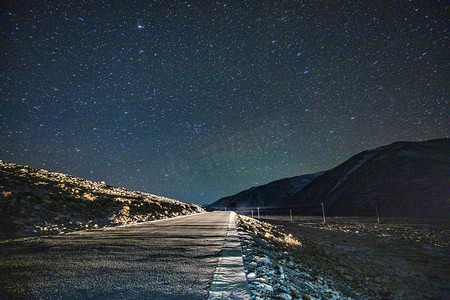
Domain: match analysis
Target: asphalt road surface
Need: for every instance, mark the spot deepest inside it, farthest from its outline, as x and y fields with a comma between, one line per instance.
x=168, y=259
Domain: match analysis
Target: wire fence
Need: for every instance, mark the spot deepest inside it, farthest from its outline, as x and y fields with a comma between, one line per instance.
x=290, y=211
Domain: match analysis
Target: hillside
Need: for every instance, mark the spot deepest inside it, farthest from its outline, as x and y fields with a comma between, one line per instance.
x=409, y=179
x=276, y=195
x=405, y=179
x=35, y=201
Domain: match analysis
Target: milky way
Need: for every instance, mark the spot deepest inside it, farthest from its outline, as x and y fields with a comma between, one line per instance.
x=200, y=101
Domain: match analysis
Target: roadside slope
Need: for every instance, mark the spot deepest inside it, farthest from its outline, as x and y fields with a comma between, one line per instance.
x=35, y=201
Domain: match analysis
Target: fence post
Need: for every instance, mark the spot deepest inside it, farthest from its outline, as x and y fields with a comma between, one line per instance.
x=258, y=212
x=378, y=218
x=290, y=212
x=323, y=213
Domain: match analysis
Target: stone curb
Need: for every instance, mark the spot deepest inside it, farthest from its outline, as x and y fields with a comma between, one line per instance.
x=229, y=280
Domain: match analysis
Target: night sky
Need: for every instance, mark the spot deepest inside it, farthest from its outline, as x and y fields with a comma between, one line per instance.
x=199, y=101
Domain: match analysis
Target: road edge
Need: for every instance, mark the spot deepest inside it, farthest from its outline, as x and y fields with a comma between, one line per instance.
x=230, y=281
x=36, y=237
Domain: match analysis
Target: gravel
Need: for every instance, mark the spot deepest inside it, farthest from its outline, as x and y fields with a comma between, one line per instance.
x=271, y=271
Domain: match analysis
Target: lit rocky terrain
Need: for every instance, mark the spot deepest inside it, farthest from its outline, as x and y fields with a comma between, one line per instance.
x=275, y=270
x=35, y=201
x=355, y=257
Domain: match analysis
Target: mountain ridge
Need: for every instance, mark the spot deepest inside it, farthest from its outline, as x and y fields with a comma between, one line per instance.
x=400, y=179
x=266, y=195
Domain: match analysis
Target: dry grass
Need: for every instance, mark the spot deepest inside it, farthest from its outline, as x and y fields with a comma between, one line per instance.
x=89, y=197
x=267, y=231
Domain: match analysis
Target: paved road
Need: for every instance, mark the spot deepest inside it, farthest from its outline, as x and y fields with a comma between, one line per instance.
x=169, y=259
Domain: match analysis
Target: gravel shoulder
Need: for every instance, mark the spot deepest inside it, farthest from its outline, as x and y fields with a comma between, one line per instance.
x=275, y=272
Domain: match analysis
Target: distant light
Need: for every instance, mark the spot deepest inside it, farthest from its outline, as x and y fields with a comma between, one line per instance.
x=140, y=26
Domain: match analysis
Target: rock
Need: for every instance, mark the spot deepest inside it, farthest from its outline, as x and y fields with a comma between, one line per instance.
x=349, y=277
x=266, y=288
x=296, y=292
x=284, y=296
x=18, y=222
x=251, y=276
x=262, y=280
x=282, y=289
x=265, y=261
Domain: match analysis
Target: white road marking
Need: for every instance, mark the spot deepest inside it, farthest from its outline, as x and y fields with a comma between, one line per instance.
x=229, y=280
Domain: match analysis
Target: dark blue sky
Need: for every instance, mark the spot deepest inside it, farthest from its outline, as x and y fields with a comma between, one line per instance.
x=200, y=101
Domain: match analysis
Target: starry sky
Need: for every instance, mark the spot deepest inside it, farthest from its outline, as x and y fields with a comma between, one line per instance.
x=197, y=100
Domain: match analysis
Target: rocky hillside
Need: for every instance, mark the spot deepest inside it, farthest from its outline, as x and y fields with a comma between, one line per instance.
x=276, y=195
x=34, y=201
x=404, y=179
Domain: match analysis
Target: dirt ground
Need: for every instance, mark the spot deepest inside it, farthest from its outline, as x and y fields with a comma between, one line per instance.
x=396, y=259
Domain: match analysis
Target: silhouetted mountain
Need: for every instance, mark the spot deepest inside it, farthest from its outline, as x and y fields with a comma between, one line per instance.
x=402, y=179
x=410, y=179
x=276, y=195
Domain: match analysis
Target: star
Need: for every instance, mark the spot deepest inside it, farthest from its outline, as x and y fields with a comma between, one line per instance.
x=198, y=102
